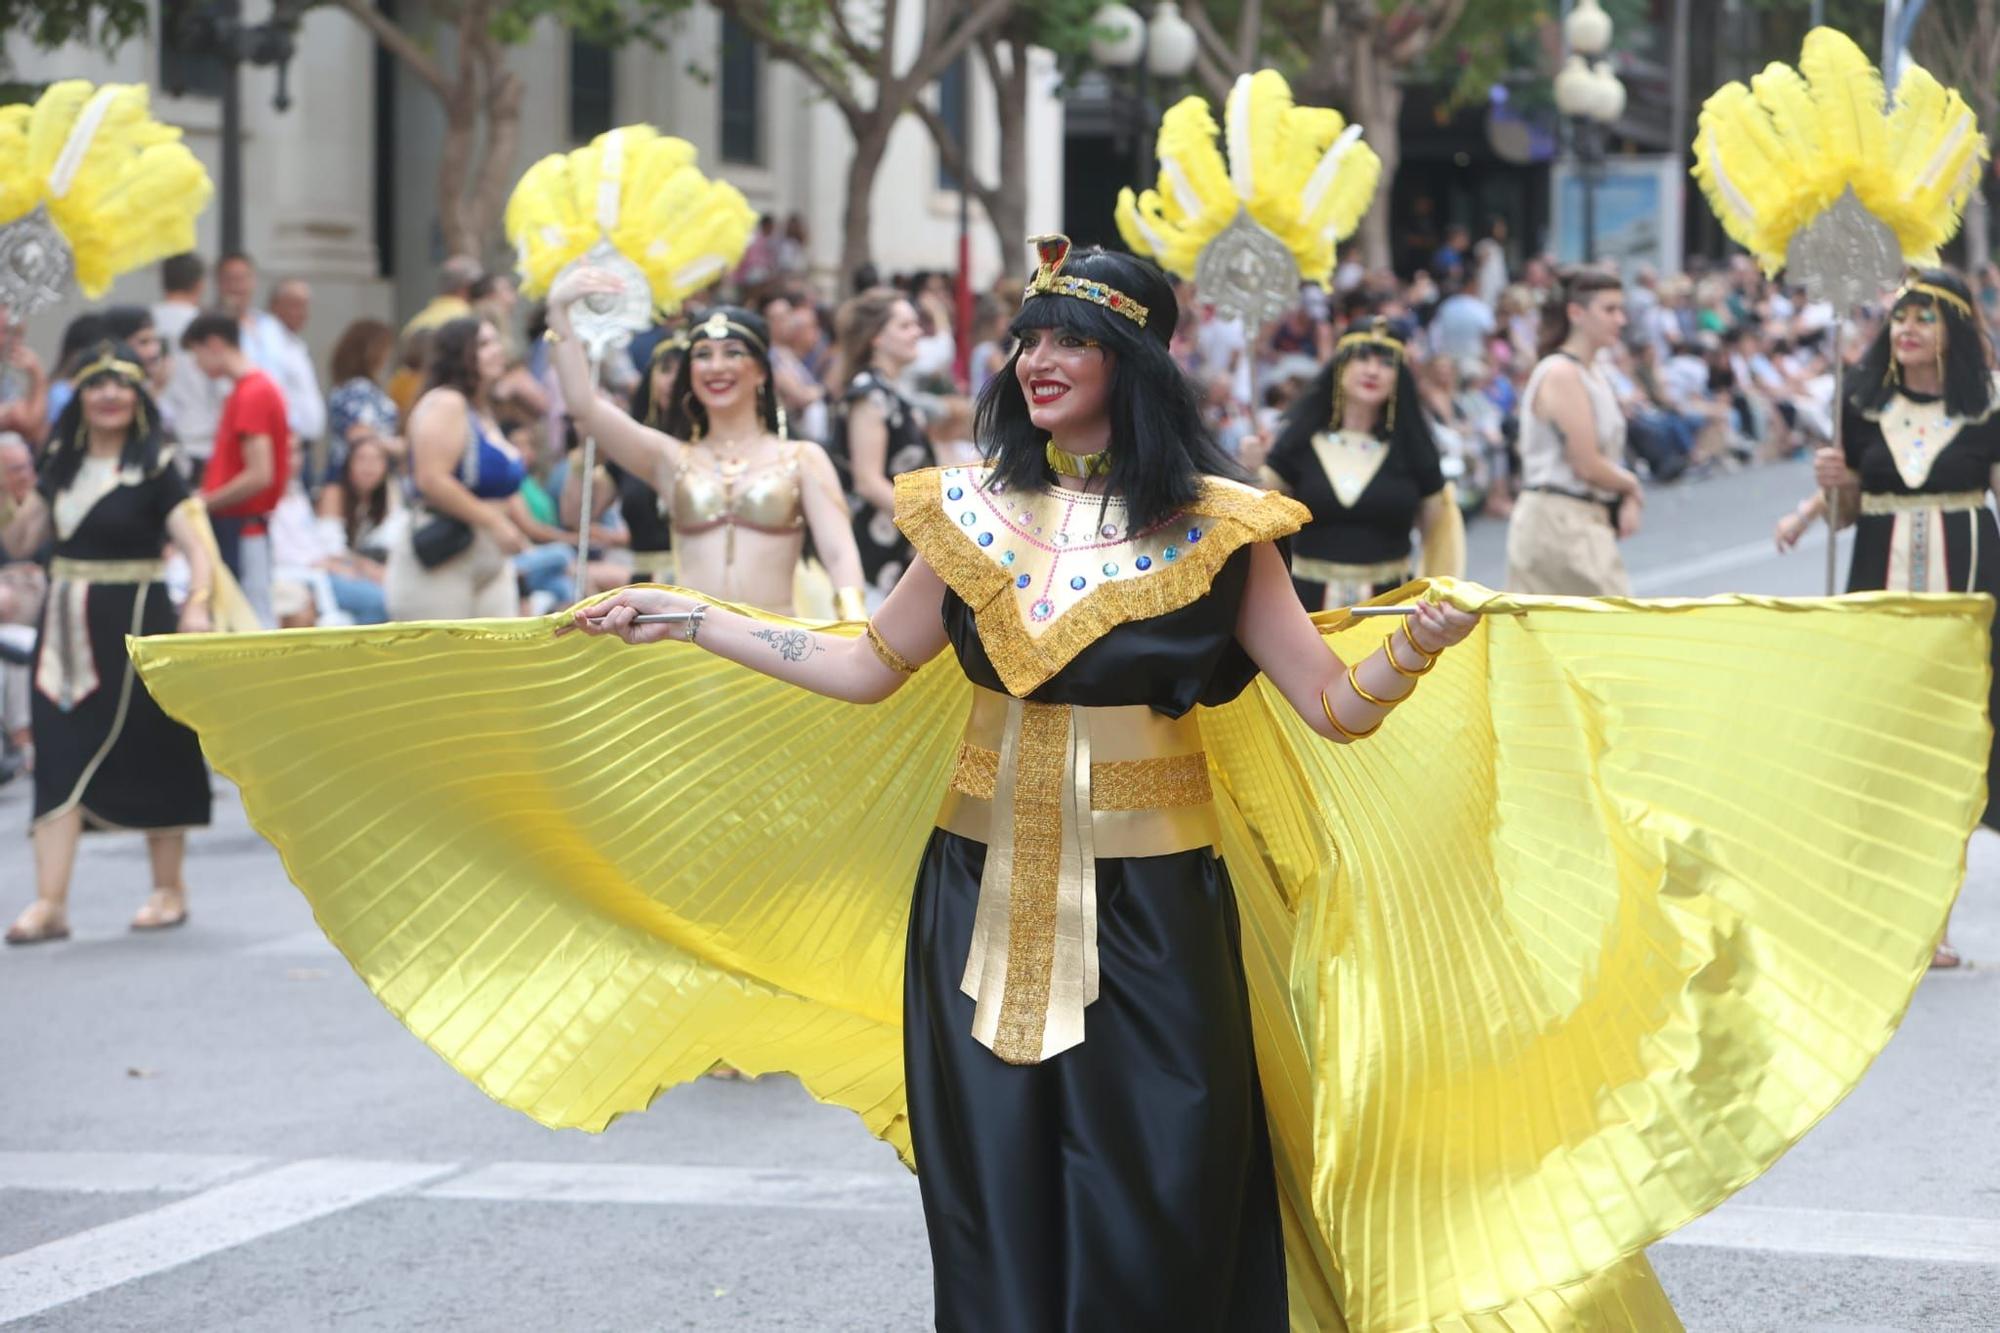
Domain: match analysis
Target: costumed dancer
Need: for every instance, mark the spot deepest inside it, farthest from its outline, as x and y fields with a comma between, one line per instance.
x=1464, y=1017
x=878, y=433
x=1355, y=450
x=1920, y=454
x=743, y=492
x=1578, y=499
x=91, y=186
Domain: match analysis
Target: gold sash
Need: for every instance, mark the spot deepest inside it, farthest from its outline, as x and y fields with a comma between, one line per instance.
x=1048, y=788
x=65, y=569
x=1954, y=502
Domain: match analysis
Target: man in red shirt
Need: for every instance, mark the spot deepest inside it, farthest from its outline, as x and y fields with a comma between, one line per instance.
x=251, y=464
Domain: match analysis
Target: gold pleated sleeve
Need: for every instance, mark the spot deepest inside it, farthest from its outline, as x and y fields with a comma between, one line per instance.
x=1614, y=909
x=1617, y=907
x=583, y=872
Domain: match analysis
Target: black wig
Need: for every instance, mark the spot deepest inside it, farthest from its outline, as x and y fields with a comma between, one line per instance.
x=685, y=417
x=1160, y=447
x=1405, y=430
x=144, y=451
x=1968, y=383
x=670, y=352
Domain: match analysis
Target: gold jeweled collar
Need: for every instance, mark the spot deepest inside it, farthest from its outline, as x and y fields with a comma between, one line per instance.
x=1049, y=571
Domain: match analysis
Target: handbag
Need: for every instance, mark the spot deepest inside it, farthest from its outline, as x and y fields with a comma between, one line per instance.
x=440, y=539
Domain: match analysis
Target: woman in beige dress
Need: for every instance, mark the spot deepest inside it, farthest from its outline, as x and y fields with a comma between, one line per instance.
x=1578, y=499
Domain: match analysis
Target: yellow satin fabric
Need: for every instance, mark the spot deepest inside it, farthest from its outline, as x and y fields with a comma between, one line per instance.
x=1612, y=911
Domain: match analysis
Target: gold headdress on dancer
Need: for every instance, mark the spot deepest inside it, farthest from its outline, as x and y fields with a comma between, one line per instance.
x=1780, y=156
x=91, y=186
x=635, y=191
x=1247, y=230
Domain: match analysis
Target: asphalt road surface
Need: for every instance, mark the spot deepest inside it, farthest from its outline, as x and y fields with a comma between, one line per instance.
x=218, y=1128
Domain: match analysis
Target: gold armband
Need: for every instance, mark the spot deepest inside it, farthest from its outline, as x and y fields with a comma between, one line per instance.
x=1326, y=706
x=1354, y=680
x=888, y=656
x=850, y=604
x=1389, y=651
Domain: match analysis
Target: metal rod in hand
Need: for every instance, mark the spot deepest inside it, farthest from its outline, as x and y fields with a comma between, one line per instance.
x=584, y=514
x=1832, y=494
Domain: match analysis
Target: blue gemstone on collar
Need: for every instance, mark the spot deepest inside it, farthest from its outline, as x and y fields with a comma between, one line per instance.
x=1007, y=557
x=1143, y=563
x=1023, y=581
x=968, y=518
x=985, y=539
x=1078, y=582
x=1194, y=534
x=955, y=493
x=1171, y=554
x=1111, y=569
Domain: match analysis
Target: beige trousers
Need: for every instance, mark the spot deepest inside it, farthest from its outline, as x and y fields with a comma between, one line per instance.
x=476, y=584
x=1560, y=545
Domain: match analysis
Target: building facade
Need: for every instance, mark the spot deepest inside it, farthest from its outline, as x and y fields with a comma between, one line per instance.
x=341, y=188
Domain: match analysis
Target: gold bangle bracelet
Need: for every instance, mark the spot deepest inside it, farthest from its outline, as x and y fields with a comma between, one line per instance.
x=1411, y=635
x=1326, y=706
x=888, y=656
x=1354, y=681
x=1409, y=673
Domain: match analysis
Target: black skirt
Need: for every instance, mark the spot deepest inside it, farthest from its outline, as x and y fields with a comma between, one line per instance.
x=1127, y=1182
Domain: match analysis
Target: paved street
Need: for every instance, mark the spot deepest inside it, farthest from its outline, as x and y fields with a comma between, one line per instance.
x=219, y=1129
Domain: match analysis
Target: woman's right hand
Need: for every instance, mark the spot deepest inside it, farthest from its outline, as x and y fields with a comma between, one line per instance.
x=1830, y=470
x=510, y=539
x=1631, y=511
x=616, y=613
x=583, y=281
x=1790, y=528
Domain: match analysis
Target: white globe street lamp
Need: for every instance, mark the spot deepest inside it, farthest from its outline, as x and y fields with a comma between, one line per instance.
x=1171, y=43
x=1120, y=36
x=1587, y=29
x=1589, y=93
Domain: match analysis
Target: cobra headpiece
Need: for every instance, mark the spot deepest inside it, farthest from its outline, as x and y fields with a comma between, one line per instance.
x=1052, y=252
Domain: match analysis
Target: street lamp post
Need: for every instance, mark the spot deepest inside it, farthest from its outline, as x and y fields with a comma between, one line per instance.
x=1590, y=95
x=1163, y=48
x=217, y=29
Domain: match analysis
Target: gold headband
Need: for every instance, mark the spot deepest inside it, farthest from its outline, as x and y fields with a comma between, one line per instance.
x=719, y=326
x=676, y=342
x=1052, y=252
x=1936, y=293
x=1348, y=340
x=110, y=364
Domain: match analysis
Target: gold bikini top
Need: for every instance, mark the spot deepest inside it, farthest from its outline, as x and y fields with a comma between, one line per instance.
x=732, y=495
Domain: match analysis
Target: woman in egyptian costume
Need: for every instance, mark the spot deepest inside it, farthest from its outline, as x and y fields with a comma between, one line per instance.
x=1356, y=451
x=1214, y=964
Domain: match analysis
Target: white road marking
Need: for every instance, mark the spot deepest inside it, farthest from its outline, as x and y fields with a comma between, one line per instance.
x=1914, y=1237
x=1663, y=579
x=120, y=1172
x=189, y=1229
x=687, y=1186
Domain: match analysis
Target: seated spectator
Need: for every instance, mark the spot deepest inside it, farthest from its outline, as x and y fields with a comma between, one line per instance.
x=315, y=578
x=359, y=410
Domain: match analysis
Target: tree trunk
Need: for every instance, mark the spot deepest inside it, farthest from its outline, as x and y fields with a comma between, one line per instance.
x=495, y=180
x=1007, y=208
x=1378, y=106
x=1978, y=230
x=871, y=141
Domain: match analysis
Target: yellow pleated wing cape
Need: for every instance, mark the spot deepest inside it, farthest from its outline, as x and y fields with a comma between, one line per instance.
x=1614, y=909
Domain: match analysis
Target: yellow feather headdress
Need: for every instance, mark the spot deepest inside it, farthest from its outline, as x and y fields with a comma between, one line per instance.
x=639, y=191
x=1298, y=174
x=91, y=187
x=1776, y=155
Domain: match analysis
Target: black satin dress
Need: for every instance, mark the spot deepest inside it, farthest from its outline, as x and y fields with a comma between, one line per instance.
x=1374, y=530
x=1971, y=555
x=101, y=744
x=646, y=526
x=1125, y=1183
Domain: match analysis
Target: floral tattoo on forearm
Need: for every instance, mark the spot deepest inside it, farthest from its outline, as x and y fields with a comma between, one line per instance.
x=794, y=645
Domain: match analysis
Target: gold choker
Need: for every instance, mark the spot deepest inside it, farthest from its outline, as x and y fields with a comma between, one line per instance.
x=1080, y=466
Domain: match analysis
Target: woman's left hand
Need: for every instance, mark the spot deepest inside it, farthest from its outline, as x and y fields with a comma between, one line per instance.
x=1437, y=626
x=615, y=615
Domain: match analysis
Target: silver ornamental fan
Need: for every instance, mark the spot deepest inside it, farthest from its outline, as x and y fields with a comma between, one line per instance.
x=36, y=268
x=604, y=322
x=1247, y=273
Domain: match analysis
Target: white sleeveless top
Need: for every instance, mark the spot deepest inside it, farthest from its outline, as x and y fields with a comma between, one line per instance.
x=1543, y=461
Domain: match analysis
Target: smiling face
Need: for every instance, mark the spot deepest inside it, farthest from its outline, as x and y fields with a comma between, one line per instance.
x=109, y=404
x=1066, y=379
x=489, y=356
x=1369, y=378
x=1916, y=334
x=724, y=373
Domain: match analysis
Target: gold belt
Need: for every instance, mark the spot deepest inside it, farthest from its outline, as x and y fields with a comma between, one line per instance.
x=1049, y=788
x=1953, y=502
x=65, y=569
x=1327, y=571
